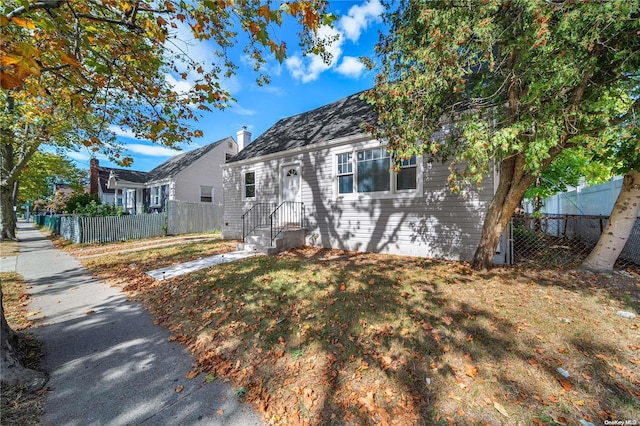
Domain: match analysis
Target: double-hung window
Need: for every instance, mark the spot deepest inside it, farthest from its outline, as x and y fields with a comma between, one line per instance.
x=250, y=185
x=407, y=176
x=155, y=196
x=345, y=173
x=206, y=194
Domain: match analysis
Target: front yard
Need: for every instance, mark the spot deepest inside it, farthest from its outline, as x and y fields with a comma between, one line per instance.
x=333, y=337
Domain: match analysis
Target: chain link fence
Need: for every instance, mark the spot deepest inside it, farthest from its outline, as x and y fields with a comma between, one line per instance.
x=564, y=241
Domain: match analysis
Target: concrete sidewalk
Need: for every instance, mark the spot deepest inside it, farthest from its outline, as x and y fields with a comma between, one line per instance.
x=108, y=364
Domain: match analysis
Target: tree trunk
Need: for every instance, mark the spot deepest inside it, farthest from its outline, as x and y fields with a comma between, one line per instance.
x=512, y=185
x=7, y=215
x=12, y=370
x=621, y=222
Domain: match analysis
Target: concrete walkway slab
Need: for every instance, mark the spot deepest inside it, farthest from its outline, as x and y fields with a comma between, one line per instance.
x=108, y=364
x=196, y=265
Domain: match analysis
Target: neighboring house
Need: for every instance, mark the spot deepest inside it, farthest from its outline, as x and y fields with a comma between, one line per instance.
x=352, y=200
x=191, y=176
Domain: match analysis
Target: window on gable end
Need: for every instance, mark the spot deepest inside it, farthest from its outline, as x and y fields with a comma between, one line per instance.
x=206, y=194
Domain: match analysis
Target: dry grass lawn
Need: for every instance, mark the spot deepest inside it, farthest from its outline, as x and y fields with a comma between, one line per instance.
x=318, y=336
x=17, y=405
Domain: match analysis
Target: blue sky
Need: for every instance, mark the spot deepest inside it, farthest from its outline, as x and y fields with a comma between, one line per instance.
x=297, y=85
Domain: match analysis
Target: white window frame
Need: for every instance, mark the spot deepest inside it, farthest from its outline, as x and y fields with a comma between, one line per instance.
x=130, y=197
x=244, y=184
x=404, y=166
x=155, y=196
x=393, y=177
x=340, y=171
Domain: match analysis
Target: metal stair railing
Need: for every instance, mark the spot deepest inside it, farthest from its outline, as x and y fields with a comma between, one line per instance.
x=257, y=216
x=288, y=215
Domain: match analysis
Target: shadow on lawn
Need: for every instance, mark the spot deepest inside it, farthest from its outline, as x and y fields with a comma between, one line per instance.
x=340, y=338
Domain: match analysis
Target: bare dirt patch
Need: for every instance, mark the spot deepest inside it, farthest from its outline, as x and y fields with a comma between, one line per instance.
x=332, y=337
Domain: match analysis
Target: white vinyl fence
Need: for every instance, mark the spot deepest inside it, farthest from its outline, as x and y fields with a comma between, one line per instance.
x=596, y=200
x=180, y=217
x=187, y=218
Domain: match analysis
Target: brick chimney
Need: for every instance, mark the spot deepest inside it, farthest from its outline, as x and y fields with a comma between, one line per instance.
x=244, y=138
x=93, y=176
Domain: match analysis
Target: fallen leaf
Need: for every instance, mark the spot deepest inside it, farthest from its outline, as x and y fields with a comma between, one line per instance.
x=220, y=411
x=566, y=385
x=192, y=374
x=90, y=311
x=179, y=388
x=587, y=376
x=470, y=370
x=580, y=402
x=500, y=408
x=454, y=397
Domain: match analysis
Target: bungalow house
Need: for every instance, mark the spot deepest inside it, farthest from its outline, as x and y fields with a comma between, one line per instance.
x=336, y=181
x=191, y=176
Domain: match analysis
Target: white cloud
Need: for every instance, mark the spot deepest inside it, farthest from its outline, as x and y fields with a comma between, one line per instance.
x=78, y=156
x=349, y=27
x=350, y=67
x=240, y=110
x=311, y=68
x=151, y=150
x=179, y=86
x=119, y=131
x=358, y=19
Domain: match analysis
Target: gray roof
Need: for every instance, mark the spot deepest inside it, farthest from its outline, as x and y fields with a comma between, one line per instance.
x=336, y=120
x=169, y=168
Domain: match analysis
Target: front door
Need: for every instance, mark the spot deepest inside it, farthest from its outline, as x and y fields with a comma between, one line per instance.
x=290, y=189
x=289, y=214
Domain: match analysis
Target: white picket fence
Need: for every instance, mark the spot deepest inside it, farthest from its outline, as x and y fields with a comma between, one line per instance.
x=80, y=229
x=180, y=217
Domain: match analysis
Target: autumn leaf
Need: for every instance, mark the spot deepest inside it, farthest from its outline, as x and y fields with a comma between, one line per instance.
x=192, y=374
x=500, y=408
x=470, y=370
x=566, y=385
x=265, y=12
x=24, y=23
x=70, y=59
x=179, y=388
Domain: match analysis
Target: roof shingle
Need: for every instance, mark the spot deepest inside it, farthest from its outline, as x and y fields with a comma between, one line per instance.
x=336, y=120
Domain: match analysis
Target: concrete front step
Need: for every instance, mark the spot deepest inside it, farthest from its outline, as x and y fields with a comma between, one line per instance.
x=259, y=241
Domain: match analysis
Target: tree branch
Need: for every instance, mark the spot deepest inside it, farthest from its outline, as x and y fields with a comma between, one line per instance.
x=44, y=4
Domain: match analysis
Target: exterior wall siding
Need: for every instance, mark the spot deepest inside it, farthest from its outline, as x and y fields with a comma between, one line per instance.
x=205, y=172
x=431, y=222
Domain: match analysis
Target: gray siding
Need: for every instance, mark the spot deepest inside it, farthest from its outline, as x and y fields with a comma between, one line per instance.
x=204, y=172
x=432, y=223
